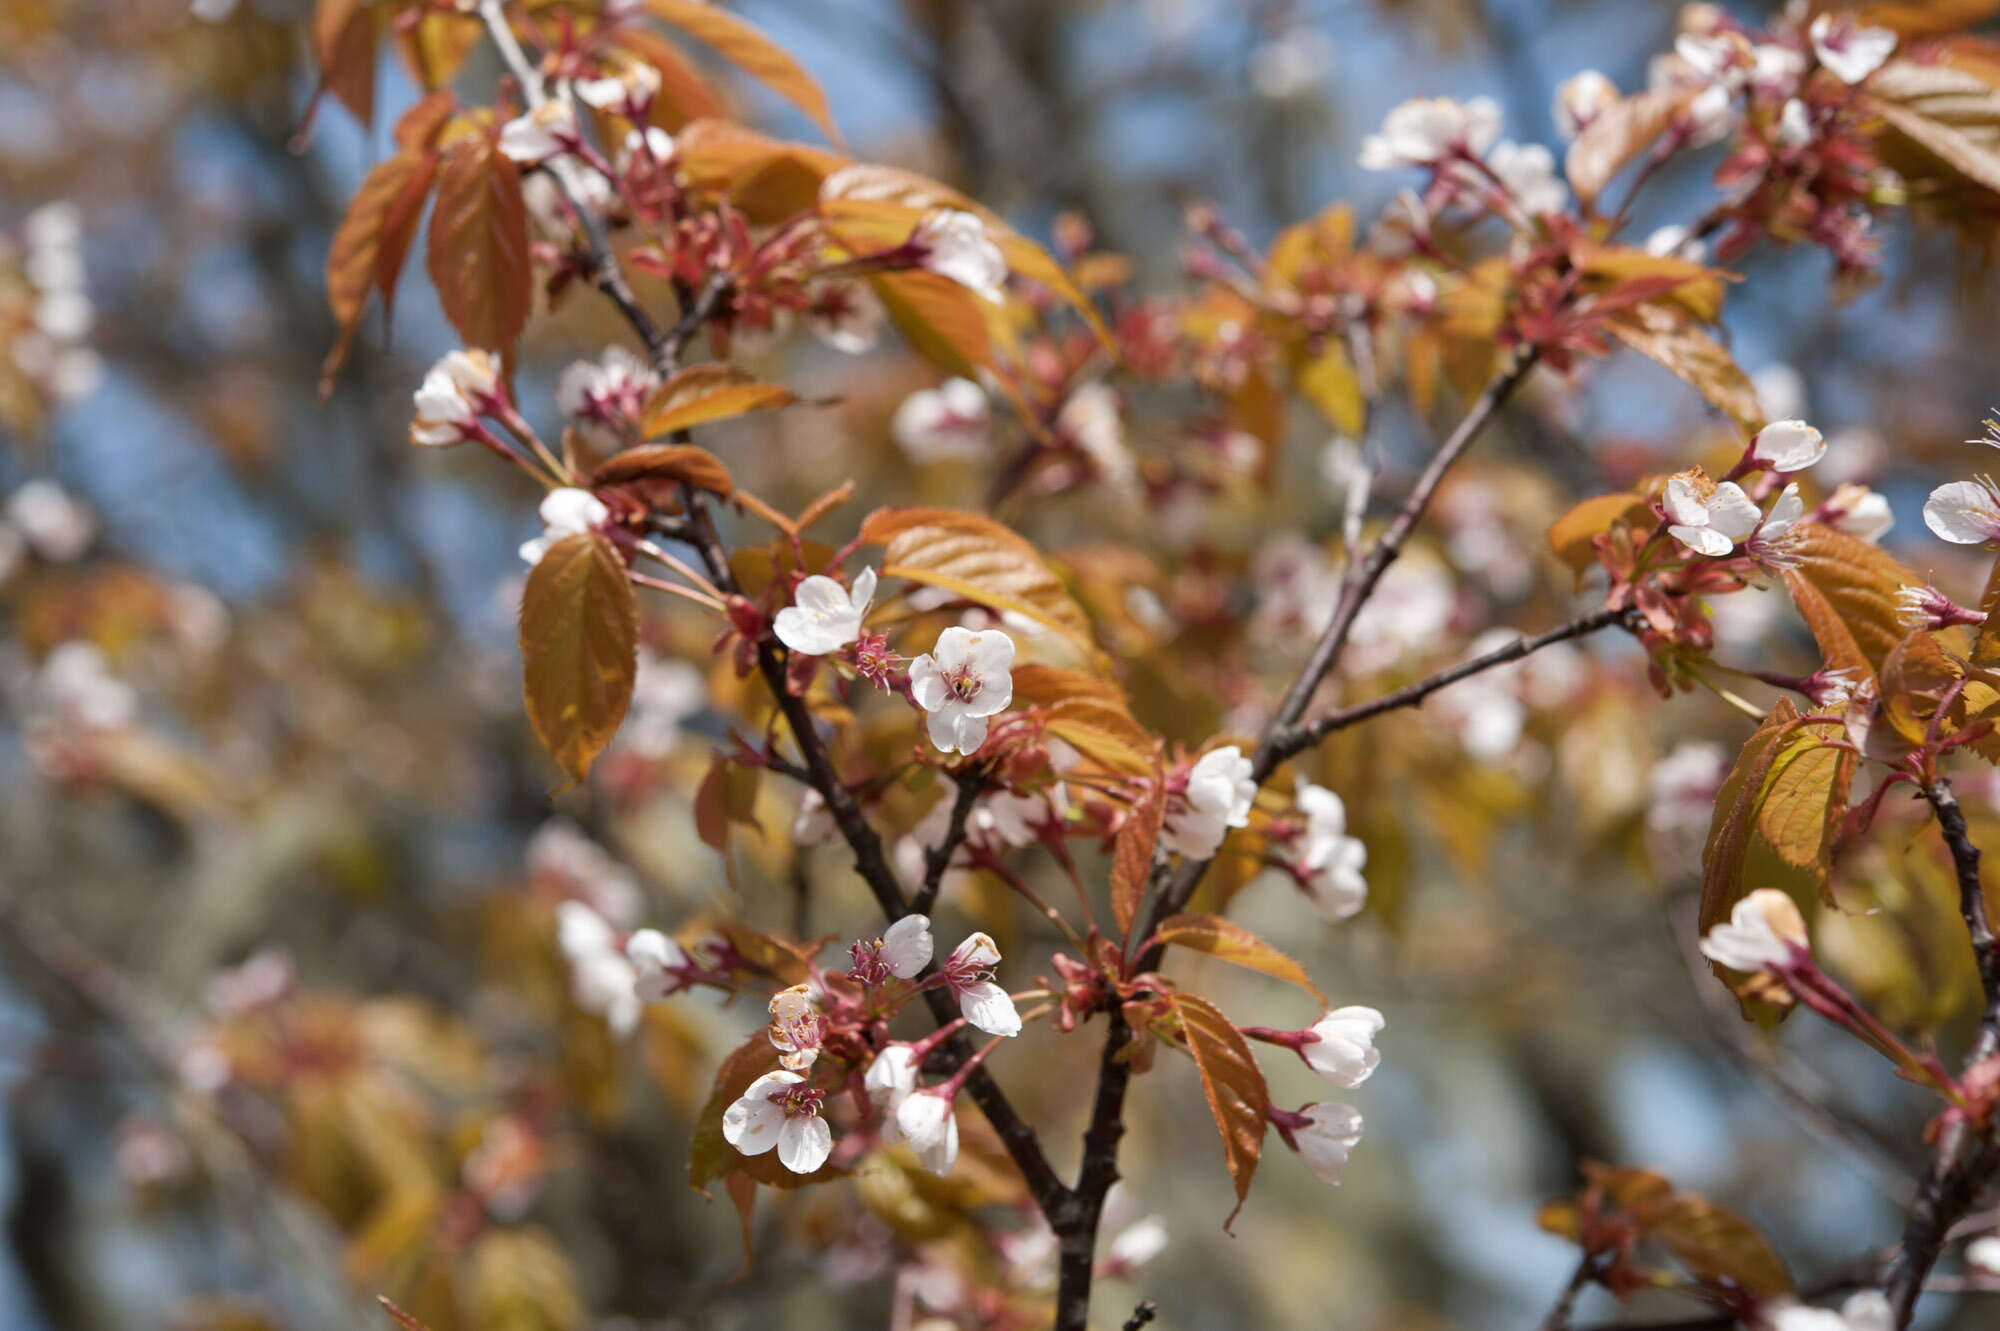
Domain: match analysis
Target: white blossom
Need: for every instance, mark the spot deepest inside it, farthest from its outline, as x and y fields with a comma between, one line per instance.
x=545, y=131
x=1528, y=170
x=1581, y=99
x=1090, y=423
x=563, y=861
x=1779, y=522
x=652, y=146
x=1428, y=130
x=926, y=1121
x=907, y=946
x=1344, y=1052
x=1775, y=67
x=454, y=394
x=796, y=1027
x=824, y=616
x=770, y=1114
x=968, y=973
x=1982, y=1255
x=605, y=396
x=949, y=421
x=847, y=316
x=1136, y=1245
x=962, y=683
x=56, y=525
x=629, y=92
x=76, y=685
x=1328, y=1138
x=1711, y=115
x=955, y=244
x=1787, y=446
x=1329, y=860
x=602, y=979
x=1794, y=125
x=1964, y=512
x=1763, y=931
x=1218, y=797
x=890, y=1080
x=1706, y=518
x=1850, y=50
x=1860, y=512
x=565, y=511
x=657, y=961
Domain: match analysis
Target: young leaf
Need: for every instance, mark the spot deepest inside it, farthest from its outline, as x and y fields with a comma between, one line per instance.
x=370, y=242
x=1617, y=136
x=1089, y=713
x=343, y=34
x=1665, y=332
x=977, y=558
x=1845, y=590
x=1734, y=822
x=701, y=394
x=684, y=94
x=1571, y=535
x=745, y=46
x=667, y=462
x=479, y=245
x=1228, y=941
x=942, y=321
x=768, y=179
x=1232, y=1082
x=1803, y=799
x=1132, y=859
x=579, y=647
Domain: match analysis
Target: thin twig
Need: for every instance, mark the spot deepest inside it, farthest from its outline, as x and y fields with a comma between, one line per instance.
x=971, y=785
x=1565, y=1304
x=1142, y=1316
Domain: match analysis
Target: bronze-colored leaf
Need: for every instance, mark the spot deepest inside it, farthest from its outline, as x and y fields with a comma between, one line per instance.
x=1665, y=332
x=579, y=648
x=702, y=394
x=1231, y=1081
x=1132, y=859
x=1734, y=821
x=942, y=321
x=751, y=50
x=479, y=245
x=975, y=557
x=1225, y=940
x=370, y=242
x=343, y=33
x=1617, y=136
x=667, y=462
x=1572, y=534
x=711, y=1157
x=1845, y=589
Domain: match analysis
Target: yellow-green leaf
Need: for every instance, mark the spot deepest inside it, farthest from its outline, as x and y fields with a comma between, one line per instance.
x=702, y=394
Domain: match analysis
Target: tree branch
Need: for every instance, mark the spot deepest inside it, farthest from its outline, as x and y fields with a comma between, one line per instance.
x=971, y=785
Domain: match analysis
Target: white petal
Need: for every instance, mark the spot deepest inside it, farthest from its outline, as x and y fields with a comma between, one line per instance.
x=927, y=684
x=1963, y=512
x=954, y=646
x=752, y=1126
x=863, y=593
x=943, y=1154
x=907, y=946
x=804, y=1143
x=1731, y=512
x=1703, y=540
x=990, y=1008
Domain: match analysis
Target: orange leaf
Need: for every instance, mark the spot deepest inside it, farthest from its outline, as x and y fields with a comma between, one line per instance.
x=1735, y=817
x=757, y=54
x=370, y=242
x=1232, y=1082
x=666, y=462
x=1665, y=332
x=1845, y=589
x=579, y=648
x=977, y=558
x=1132, y=859
x=701, y=394
x=1570, y=535
x=479, y=246
x=1228, y=941
x=344, y=44
x=941, y=320
x=769, y=179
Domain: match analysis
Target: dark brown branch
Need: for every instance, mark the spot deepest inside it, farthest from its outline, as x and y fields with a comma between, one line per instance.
x=971, y=785
x=1297, y=739
x=1565, y=1304
x=1142, y=1316
x=872, y=863
x=1955, y=1178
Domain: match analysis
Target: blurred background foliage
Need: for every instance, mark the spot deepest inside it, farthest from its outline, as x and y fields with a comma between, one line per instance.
x=316, y=849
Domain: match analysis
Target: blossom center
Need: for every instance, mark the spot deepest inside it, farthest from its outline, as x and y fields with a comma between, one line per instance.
x=963, y=683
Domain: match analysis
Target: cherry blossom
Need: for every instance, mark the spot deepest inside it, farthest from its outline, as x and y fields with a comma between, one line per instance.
x=602, y=979
x=1851, y=51
x=776, y=1110
x=1580, y=99
x=949, y=421
x=907, y=946
x=1528, y=171
x=563, y=862
x=1325, y=1139
x=1794, y=125
x=76, y=685
x=796, y=1027
x=955, y=244
x=1328, y=861
x=926, y=1121
x=605, y=396
x=659, y=965
x=55, y=524
x=653, y=148
x=1764, y=932
x=1427, y=130
x=1859, y=511
x=1926, y=607
x=1218, y=797
x=630, y=92
x=1776, y=529
x=545, y=131
x=565, y=511
x=962, y=683
x=1983, y=1255
x=1343, y=1045
x=1136, y=1245
x=968, y=973
x=824, y=616
x=1708, y=519
x=1787, y=446
x=454, y=394
x=1089, y=422
x=889, y=1081
x=1965, y=512
x=847, y=316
